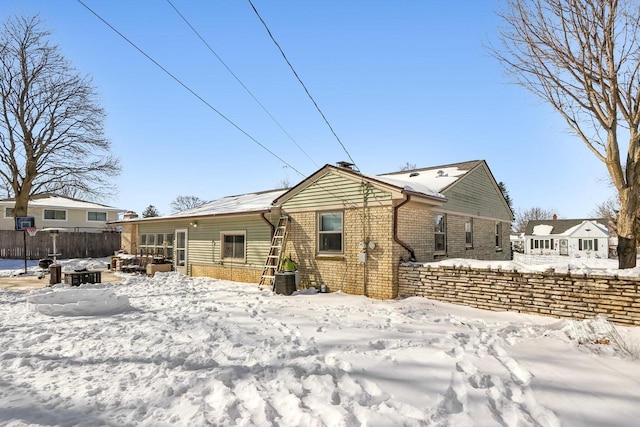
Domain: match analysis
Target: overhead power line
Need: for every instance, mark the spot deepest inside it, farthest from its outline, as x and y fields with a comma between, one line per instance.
x=239, y=81
x=232, y=123
x=300, y=80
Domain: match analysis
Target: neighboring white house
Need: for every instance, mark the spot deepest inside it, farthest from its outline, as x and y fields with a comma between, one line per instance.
x=50, y=210
x=578, y=238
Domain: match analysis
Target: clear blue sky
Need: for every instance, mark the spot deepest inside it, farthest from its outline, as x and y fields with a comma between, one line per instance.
x=399, y=82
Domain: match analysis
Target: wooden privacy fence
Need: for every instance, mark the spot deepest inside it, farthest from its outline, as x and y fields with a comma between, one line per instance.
x=68, y=244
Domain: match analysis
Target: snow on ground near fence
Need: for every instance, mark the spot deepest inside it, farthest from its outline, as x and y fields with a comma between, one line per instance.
x=541, y=263
x=196, y=351
x=15, y=267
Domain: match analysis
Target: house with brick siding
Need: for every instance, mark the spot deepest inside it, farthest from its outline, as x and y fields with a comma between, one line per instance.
x=350, y=231
x=346, y=230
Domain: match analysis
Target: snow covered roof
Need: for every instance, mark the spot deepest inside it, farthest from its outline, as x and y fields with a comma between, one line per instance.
x=434, y=179
x=230, y=205
x=564, y=227
x=542, y=230
x=55, y=201
x=408, y=185
x=252, y=202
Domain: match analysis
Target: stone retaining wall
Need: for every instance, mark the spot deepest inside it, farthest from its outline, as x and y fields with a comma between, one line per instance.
x=575, y=296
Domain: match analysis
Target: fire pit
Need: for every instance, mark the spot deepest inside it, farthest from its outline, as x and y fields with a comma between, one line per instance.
x=45, y=263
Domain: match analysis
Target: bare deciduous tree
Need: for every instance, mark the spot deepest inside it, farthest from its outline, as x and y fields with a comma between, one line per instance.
x=583, y=58
x=608, y=210
x=51, y=126
x=531, y=214
x=182, y=203
x=408, y=167
x=283, y=183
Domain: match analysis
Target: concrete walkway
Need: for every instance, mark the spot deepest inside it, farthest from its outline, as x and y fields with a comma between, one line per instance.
x=29, y=282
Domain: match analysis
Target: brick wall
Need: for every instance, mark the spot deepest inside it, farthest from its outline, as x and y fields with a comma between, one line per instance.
x=128, y=238
x=416, y=228
x=575, y=296
x=227, y=272
x=375, y=278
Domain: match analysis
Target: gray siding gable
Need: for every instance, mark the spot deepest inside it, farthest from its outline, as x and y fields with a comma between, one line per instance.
x=477, y=193
x=335, y=189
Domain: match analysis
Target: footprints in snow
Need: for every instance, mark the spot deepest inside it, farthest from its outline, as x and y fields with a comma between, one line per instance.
x=510, y=400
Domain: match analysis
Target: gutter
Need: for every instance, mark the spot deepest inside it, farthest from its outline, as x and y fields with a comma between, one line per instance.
x=273, y=227
x=395, y=228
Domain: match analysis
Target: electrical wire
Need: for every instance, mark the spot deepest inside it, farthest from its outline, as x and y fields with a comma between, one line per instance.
x=346, y=203
x=177, y=80
x=239, y=81
x=303, y=85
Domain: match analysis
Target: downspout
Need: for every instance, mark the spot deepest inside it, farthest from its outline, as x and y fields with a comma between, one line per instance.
x=273, y=227
x=395, y=228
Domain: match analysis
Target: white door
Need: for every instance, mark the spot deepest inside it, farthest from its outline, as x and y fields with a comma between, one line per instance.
x=564, y=247
x=180, y=251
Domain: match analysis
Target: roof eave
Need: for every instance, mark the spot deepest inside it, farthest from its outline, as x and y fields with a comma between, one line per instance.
x=189, y=217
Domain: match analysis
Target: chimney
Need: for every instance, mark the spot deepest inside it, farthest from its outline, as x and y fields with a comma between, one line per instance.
x=345, y=165
x=130, y=215
x=555, y=217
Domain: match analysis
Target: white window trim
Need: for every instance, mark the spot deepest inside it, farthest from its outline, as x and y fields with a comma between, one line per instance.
x=242, y=233
x=5, y=212
x=501, y=235
x=440, y=251
x=319, y=222
x=66, y=215
x=177, y=249
x=106, y=216
x=467, y=244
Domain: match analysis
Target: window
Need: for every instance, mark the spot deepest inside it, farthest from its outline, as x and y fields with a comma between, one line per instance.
x=587, y=244
x=543, y=244
x=157, y=244
x=8, y=212
x=440, y=233
x=468, y=233
x=498, y=235
x=330, y=232
x=55, y=215
x=96, y=216
x=233, y=247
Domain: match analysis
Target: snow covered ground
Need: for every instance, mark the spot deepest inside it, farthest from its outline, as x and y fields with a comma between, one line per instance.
x=174, y=350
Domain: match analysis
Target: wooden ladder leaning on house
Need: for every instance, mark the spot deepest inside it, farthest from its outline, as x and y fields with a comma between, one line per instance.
x=274, y=259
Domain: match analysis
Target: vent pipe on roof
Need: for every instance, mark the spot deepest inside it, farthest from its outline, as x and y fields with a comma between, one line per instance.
x=555, y=217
